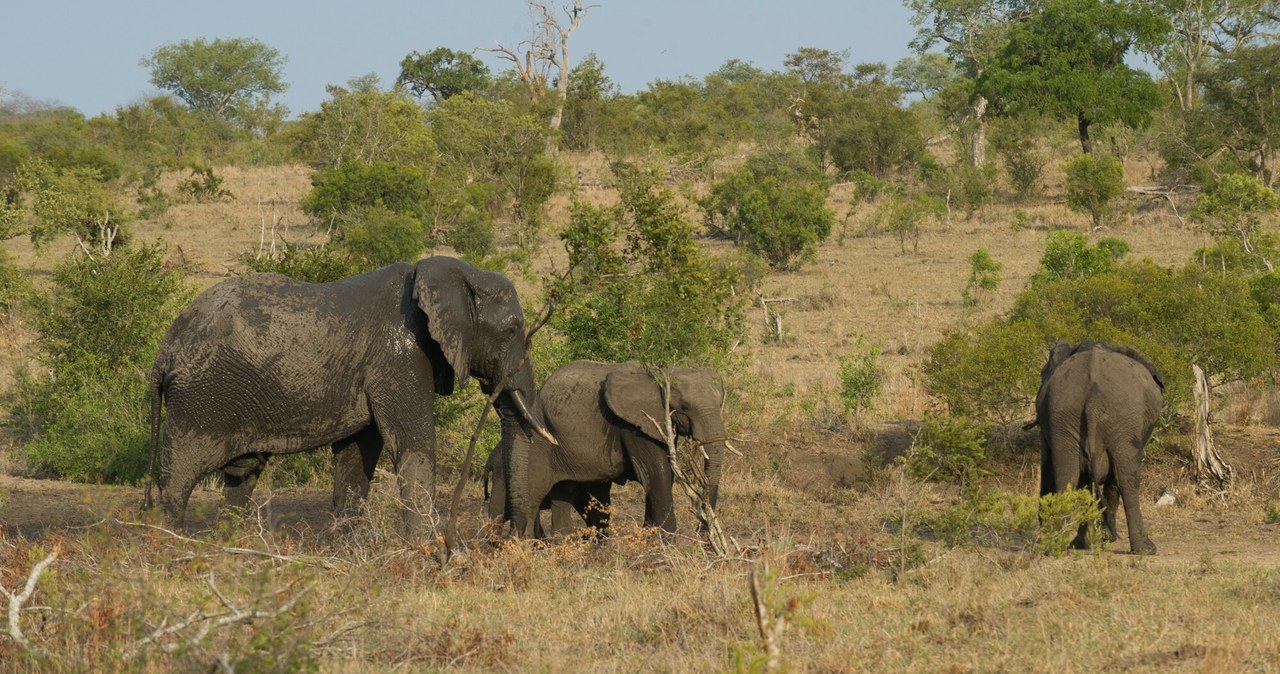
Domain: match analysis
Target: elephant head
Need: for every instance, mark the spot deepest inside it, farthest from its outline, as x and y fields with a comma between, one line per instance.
x=633, y=394
x=476, y=319
x=1062, y=350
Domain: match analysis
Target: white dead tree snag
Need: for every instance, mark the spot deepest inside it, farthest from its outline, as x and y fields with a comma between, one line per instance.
x=1211, y=472
x=769, y=627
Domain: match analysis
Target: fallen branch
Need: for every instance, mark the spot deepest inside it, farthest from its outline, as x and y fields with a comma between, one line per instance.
x=17, y=599
x=324, y=563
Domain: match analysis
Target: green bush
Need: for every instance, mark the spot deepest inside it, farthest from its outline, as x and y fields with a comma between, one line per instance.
x=1093, y=184
x=203, y=185
x=1062, y=515
x=1233, y=206
x=990, y=370
x=1068, y=255
x=1016, y=144
x=100, y=325
x=903, y=216
x=984, y=277
x=313, y=265
x=14, y=285
x=399, y=188
x=860, y=378
x=379, y=236
x=949, y=449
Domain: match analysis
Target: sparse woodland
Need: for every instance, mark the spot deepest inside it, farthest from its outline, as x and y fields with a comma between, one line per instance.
x=875, y=257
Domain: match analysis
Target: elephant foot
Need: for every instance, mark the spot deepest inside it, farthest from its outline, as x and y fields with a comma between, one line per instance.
x=1143, y=547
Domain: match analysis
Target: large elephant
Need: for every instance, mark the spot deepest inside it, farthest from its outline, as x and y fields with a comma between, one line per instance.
x=603, y=416
x=263, y=364
x=1096, y=409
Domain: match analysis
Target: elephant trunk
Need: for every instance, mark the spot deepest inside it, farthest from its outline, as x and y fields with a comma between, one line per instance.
x=518, y=424
x=709, y=433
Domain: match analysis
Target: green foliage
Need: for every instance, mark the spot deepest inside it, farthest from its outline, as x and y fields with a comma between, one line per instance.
x=399, y=188
x=1016, y=143
x=232, y=78
x=589, y=106
x=990, y=370
x=925, y=74
x=860, y=378
x=1068, y=255
x=984, y=277
x=869, y=130
x=1242, y=110
x=903, y=216
x=378, y=236
x=99, y=326
x=203, y=185
x=962, y=184
x=641, y=288
x=1233, y=206
x=1067, y=61
x=1062, y=515
x=1093, y=183
x=775, y=206
x=313, y=265
x=15, y=287
x=360, y=123
x=442, y=73
x=949, y=449
x=58, y=200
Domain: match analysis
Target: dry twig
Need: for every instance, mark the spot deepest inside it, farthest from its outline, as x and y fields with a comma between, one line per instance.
x=17, y=599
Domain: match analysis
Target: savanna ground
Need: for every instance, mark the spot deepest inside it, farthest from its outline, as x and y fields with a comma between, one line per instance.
x=814, y=506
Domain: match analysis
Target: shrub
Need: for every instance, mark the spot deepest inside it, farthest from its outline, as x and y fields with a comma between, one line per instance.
x=1093, y=183
x=991, y=370
x=984, y=277
x=203, y=185
x=379, y=236
x=313, y=265
x=1233, y=206
x=399, y=188
x=903, y=215
x=100, y=326
x=775, y=206
x=1068, y=255
x=1016, y=144
x=14, y=285
x=860, y=378
x=949, y=449
x=1062, y=515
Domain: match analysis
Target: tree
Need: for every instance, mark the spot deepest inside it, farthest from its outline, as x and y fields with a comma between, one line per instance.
x=1068, y=61
x=361, y=123
x=590, y=91
x=925, y=75
x=442, y=72
x=1242, y=101
x=227, y=78
x=1199, y=30
x=972, y=31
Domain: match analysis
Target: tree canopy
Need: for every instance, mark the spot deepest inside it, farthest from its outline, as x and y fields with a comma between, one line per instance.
x=442, y=72
x=227, y=78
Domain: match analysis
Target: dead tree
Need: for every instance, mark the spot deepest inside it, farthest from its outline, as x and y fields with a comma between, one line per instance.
x=1211, y=473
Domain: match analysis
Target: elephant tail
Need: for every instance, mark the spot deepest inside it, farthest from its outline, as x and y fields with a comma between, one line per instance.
x=159, y=373
x=1095, y=450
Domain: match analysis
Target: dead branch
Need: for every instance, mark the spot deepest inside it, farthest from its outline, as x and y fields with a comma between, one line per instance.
x=17, y=599
x=1212, y=473
x=231, y=550
x=696, y=488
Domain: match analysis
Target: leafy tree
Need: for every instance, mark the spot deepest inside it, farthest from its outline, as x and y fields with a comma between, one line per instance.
x=1016, y=143
x=160, y=132
x=56, y=200
x=1233, y=206
x=925, y=74
x=228, y=78
x=400, y=188
x=378, y=236
x=361, y=123
x=1068, y=255
x=984, y=277
x=641, y=288
x=442, y=72
x=1067, y=61
x=869, y=130
x=1242, y=109
x=587, y=106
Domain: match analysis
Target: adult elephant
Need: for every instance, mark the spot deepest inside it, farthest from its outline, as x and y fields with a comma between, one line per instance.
x=263, y=364
x=603, y=416
x=1096, y=408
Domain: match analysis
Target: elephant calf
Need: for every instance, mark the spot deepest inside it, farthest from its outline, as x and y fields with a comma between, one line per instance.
x=1096, y=408
x=602, y=414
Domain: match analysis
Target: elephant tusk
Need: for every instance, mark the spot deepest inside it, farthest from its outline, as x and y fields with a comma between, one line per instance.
x=524, y=411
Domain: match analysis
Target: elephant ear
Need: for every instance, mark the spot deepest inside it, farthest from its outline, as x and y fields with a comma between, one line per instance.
x=1061, y=351
x=631, y=394
x=444, y=292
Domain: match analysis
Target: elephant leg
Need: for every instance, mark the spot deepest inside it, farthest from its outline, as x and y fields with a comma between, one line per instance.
x=595, y=505
x=180, y=470
x=240, y=477
x=1110, y=504
x=354, y=459
x=405, y=422
x=656, y=476
x=564, y=518
x=1130, y=484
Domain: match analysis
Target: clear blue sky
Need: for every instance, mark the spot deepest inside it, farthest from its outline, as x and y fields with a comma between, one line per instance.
x=86, y=53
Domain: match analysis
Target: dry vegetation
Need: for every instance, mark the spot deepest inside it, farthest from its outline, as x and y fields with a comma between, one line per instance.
x=813, y=506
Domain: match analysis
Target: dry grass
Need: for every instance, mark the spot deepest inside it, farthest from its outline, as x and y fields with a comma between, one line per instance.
x=860, y=593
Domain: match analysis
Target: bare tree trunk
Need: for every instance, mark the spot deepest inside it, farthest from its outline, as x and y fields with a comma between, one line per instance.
x=979, y=138
x=1211, y=471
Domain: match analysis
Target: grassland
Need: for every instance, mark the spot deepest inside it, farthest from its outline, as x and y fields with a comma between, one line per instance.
x=838, y=537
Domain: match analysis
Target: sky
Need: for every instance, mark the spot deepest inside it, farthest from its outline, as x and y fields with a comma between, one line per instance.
x=86, y=53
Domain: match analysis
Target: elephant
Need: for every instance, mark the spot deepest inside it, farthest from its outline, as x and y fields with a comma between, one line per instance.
x=263, y=364
x=601, y=414
x=1097, y=406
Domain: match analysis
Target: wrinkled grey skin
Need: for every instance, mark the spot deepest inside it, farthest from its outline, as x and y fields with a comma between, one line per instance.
x=1096, y=409
x=597, y=412
x=263, y=364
